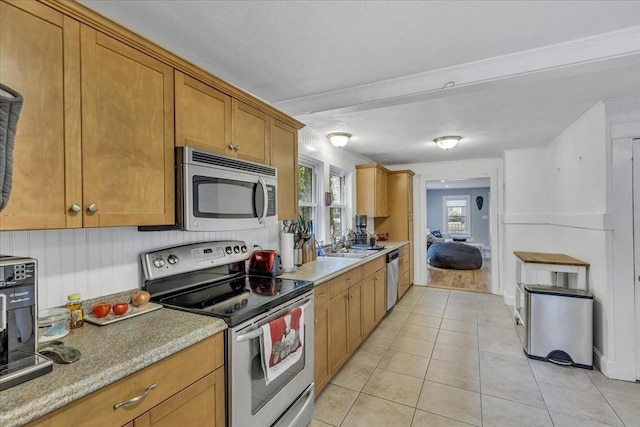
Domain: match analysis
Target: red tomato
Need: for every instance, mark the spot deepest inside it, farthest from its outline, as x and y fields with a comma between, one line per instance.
x=120, y=307
x=101, y=309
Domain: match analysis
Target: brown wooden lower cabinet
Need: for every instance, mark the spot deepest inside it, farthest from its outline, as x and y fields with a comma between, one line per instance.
x=189, y=390
x=357, y=304
x=404, y=270
x=202, y=403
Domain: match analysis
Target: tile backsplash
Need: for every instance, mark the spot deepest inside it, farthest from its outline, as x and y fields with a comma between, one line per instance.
x=101, y=261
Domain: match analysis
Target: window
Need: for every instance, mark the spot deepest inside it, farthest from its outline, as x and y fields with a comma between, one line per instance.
x=308, y=191
x=455, y=211
x=337, y=208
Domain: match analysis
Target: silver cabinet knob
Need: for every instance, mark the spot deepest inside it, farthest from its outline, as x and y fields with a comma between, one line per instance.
x=237, y=147
x=93, y=208
x=75, y=208
x=232, y=147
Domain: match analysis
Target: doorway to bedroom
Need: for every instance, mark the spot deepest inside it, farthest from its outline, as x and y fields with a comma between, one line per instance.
x=458, y=234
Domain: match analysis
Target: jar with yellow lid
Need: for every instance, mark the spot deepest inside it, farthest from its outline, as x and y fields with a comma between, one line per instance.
x=76, y=315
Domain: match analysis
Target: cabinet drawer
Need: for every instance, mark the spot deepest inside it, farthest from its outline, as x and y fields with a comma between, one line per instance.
x=170, y=375
x=346, y=280
x=373, y=266
x=321, y=293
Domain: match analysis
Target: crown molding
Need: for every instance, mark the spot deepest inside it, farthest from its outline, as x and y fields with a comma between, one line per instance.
x=434, y=83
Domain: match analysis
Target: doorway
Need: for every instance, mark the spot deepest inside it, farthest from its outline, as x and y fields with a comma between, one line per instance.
x=459, y=209
x=636, y=244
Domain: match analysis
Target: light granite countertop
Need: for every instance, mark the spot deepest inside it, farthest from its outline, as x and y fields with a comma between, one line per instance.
x=109, y=353
x=326, y=268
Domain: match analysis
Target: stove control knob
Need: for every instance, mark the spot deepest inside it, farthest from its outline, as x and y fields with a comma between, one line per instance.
x=228, y=250
x=236, y=306
x=158, y=262
x=236, y=249
x=243, y=249
x=173, y=259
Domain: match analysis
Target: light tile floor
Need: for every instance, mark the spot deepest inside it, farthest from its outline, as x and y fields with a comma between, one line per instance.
x=454, y=358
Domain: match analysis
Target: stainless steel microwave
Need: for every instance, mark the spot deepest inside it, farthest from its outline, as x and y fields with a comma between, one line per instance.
x=220, y=193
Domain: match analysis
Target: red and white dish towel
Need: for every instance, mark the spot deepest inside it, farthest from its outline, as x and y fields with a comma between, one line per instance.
x=282, y=343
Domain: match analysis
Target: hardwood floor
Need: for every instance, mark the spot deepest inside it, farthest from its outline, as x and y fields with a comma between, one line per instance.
x=461, y=280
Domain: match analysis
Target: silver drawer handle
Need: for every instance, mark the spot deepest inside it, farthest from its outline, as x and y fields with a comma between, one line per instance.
x=135, y=399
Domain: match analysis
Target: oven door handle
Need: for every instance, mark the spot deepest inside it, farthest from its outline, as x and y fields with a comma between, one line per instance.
x=257, y=332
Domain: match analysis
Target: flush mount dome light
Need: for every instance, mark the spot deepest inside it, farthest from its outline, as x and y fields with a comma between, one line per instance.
x=339, y=139
x=447, y=142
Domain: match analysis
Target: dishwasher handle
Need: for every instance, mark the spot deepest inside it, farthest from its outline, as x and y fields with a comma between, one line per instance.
x=392, y=256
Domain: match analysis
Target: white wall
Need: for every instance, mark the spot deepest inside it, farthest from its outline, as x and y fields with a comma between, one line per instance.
x=101, y=261
x=556, y=201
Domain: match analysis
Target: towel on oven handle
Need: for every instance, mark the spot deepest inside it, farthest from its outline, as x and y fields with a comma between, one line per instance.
x=282, y=343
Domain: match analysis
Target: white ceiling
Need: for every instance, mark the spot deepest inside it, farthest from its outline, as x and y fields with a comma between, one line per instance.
x=397, y=74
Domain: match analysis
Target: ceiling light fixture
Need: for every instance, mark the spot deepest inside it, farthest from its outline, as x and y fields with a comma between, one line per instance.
x=447, y=142
x=339, y=139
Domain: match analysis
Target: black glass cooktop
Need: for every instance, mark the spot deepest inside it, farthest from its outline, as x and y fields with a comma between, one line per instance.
x=237, y=299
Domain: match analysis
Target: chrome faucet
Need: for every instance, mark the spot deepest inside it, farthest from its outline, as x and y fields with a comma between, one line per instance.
x=336, y=242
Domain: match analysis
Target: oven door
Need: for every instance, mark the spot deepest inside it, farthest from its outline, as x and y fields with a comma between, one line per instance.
x=251, y=402
x=215, y=199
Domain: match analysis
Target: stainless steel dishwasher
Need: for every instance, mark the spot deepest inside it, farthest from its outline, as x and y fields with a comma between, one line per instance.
x=392, y=278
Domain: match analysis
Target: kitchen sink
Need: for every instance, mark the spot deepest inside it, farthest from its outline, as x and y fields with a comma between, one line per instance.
x=350, y=254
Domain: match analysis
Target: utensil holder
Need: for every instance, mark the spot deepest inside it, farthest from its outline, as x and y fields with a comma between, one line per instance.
x=297, y=257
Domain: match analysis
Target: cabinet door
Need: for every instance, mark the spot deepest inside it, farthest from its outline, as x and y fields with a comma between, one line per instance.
x=368, y=299
x=203, y=116
x=200, y=404
x=40, y=59
x=355, y=316
x=380, y=290
x=250, y=132
x=338, y=319
x=381, y=205
x=127, y=134
x=321, y=346
x=284, y=156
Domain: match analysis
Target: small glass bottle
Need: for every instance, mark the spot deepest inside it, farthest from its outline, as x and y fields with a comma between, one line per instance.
x=76, y=315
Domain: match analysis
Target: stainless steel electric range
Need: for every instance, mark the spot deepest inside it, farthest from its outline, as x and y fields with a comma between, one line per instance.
x=209, y=278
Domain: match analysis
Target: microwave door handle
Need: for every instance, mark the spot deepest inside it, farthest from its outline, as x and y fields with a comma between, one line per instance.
x=3, y=312
x=266, y=201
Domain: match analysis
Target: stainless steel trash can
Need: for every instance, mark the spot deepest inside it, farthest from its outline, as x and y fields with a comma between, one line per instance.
x=559, y=325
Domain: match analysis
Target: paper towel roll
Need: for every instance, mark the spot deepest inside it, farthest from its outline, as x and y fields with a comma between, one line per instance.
x=286, y=252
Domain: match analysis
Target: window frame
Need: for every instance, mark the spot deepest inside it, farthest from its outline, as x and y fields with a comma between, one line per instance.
x=341, y=204
x=467, y=214
x=315, y=190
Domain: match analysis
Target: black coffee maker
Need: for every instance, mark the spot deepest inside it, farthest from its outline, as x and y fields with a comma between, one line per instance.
x=19, y=360
x=361, y=230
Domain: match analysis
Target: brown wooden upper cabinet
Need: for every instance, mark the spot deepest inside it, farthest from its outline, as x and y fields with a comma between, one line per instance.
x=203, y=116
x=127, y=134
x=40, y=59
x=284, y=156
x=371, y=187
x=95, y=140
x=94, y=144
x=250, y=132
